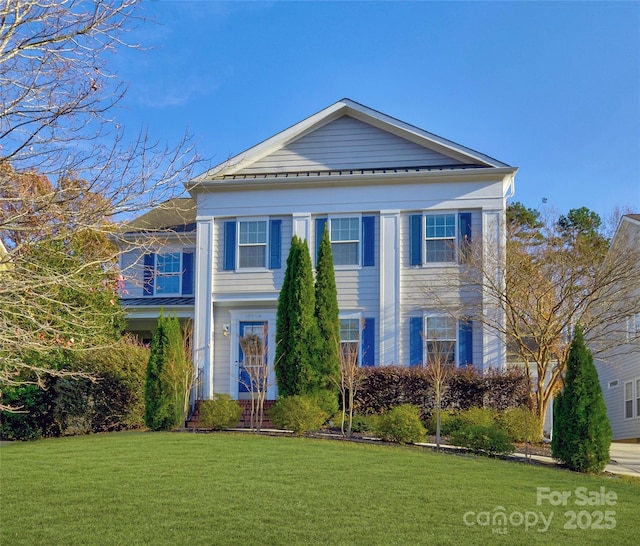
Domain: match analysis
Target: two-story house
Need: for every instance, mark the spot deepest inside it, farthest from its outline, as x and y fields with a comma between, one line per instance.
x=397, y=202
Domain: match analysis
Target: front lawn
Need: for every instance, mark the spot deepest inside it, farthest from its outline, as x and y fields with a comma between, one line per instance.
x=225, y=488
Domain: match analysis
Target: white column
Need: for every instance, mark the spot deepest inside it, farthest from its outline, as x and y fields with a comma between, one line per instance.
x=203, y=320
x=389, y=287
x=493, y=342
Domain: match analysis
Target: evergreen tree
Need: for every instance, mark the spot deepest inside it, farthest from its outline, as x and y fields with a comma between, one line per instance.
x=328, y=318
x=581, y=429
x=164, y=398
x=296, y=328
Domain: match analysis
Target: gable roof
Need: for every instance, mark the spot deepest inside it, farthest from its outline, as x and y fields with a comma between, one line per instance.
x=177, y=215
x=345, y=137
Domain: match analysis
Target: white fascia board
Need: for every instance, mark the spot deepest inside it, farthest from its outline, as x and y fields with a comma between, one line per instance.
x=150, y=312
x=283, y=182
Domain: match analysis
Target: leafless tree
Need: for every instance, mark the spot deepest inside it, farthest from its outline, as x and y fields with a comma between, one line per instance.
x=556, y=274
x=440, y=368
x=68, y=173
x=349, y=381
x=256, y=365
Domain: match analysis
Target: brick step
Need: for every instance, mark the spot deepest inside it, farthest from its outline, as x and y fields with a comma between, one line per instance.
x=245, y=419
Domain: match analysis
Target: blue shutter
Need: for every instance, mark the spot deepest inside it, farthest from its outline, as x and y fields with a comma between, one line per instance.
x=320, y=224
x=415, y=341
x=465, y=341
x=187, y=273
x=230, y=246
x=148, y=274
x=275, y=244
x=368, y=240
x=415, y=235
x=464, y=235
x=369, y=342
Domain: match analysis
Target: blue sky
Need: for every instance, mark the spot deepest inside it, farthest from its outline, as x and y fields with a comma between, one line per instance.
x=550, y=87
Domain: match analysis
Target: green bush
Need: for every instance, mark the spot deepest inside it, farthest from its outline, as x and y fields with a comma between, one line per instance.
x=448, y=423
x=365, y=423
x=299, y=413
x=488, y=439
x=521, y=424
x=477, y=416
x=326, y=400
x=220, y=412
x=402, y=424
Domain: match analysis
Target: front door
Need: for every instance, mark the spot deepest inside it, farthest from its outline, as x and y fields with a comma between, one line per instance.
x=252, y=354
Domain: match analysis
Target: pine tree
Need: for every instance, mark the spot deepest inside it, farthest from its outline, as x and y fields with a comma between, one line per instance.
x=328, y=318
x=581, y=429
x=296, y=327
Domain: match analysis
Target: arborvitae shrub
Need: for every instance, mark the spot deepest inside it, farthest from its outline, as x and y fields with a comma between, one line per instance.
x=581, y=429
x=219, y=413
x=298, y=413
x=402, y=424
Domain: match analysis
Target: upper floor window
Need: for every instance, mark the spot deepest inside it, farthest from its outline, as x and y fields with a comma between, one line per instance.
x=352, y=239
x=633, y=327
x=344, y=234
x=168, y=273
x=252, y=244
x=441, y=237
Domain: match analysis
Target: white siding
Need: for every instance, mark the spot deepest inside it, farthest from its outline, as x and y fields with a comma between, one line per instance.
x=347, y=143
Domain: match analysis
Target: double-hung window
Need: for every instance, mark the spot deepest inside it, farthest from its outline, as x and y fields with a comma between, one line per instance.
x=440, y=236
x=344, y=234
x=252, y=244
x=632, y=399
x=168, y=273
x=350, y=339
x=440, y=338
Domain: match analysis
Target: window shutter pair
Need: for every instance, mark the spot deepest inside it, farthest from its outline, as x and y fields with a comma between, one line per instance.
x=368, y=238
x=148, y=285
x=275, y=245
x=416, y=343
x=417, y=235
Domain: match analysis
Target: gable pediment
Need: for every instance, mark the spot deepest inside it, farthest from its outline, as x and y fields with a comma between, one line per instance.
x=348, y=144
x=348, y=136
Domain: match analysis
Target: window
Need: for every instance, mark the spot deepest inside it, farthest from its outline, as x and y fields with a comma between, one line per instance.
x=435, y=238
x=440, y=338
x=440, y=238
x=350, y=338
x=252, y=244
x=169, y=272
x=633, y=327
x=628, y=400
x=344, y=234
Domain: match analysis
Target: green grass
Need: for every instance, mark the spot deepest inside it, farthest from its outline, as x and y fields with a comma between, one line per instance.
x=181, y=488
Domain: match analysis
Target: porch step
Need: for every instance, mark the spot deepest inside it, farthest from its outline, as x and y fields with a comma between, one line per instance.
x=245, y=420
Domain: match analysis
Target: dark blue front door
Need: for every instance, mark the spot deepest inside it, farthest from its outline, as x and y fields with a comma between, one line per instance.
x=258, y=329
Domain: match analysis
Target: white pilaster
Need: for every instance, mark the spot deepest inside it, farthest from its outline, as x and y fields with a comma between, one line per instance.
x=389, y=287
x=301, y=226
x=203, y=321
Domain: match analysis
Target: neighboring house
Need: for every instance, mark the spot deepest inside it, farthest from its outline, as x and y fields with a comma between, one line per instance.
x=396, y=200
x=619, y=368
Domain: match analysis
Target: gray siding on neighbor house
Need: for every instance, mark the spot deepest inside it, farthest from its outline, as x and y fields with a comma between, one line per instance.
x=347, y=143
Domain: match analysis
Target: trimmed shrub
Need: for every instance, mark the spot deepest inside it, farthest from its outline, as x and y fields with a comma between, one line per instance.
x=298, y=413
x=520, y=423
x=448, y=423
x=365, y=423
x=219, y=413
x=402, y=424
x=326, y=400
x=488, y=439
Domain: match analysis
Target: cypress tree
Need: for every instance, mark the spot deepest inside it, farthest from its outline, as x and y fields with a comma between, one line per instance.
x=296, y=327
x=581, y=429
x=167, y=363
x=328, y=318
